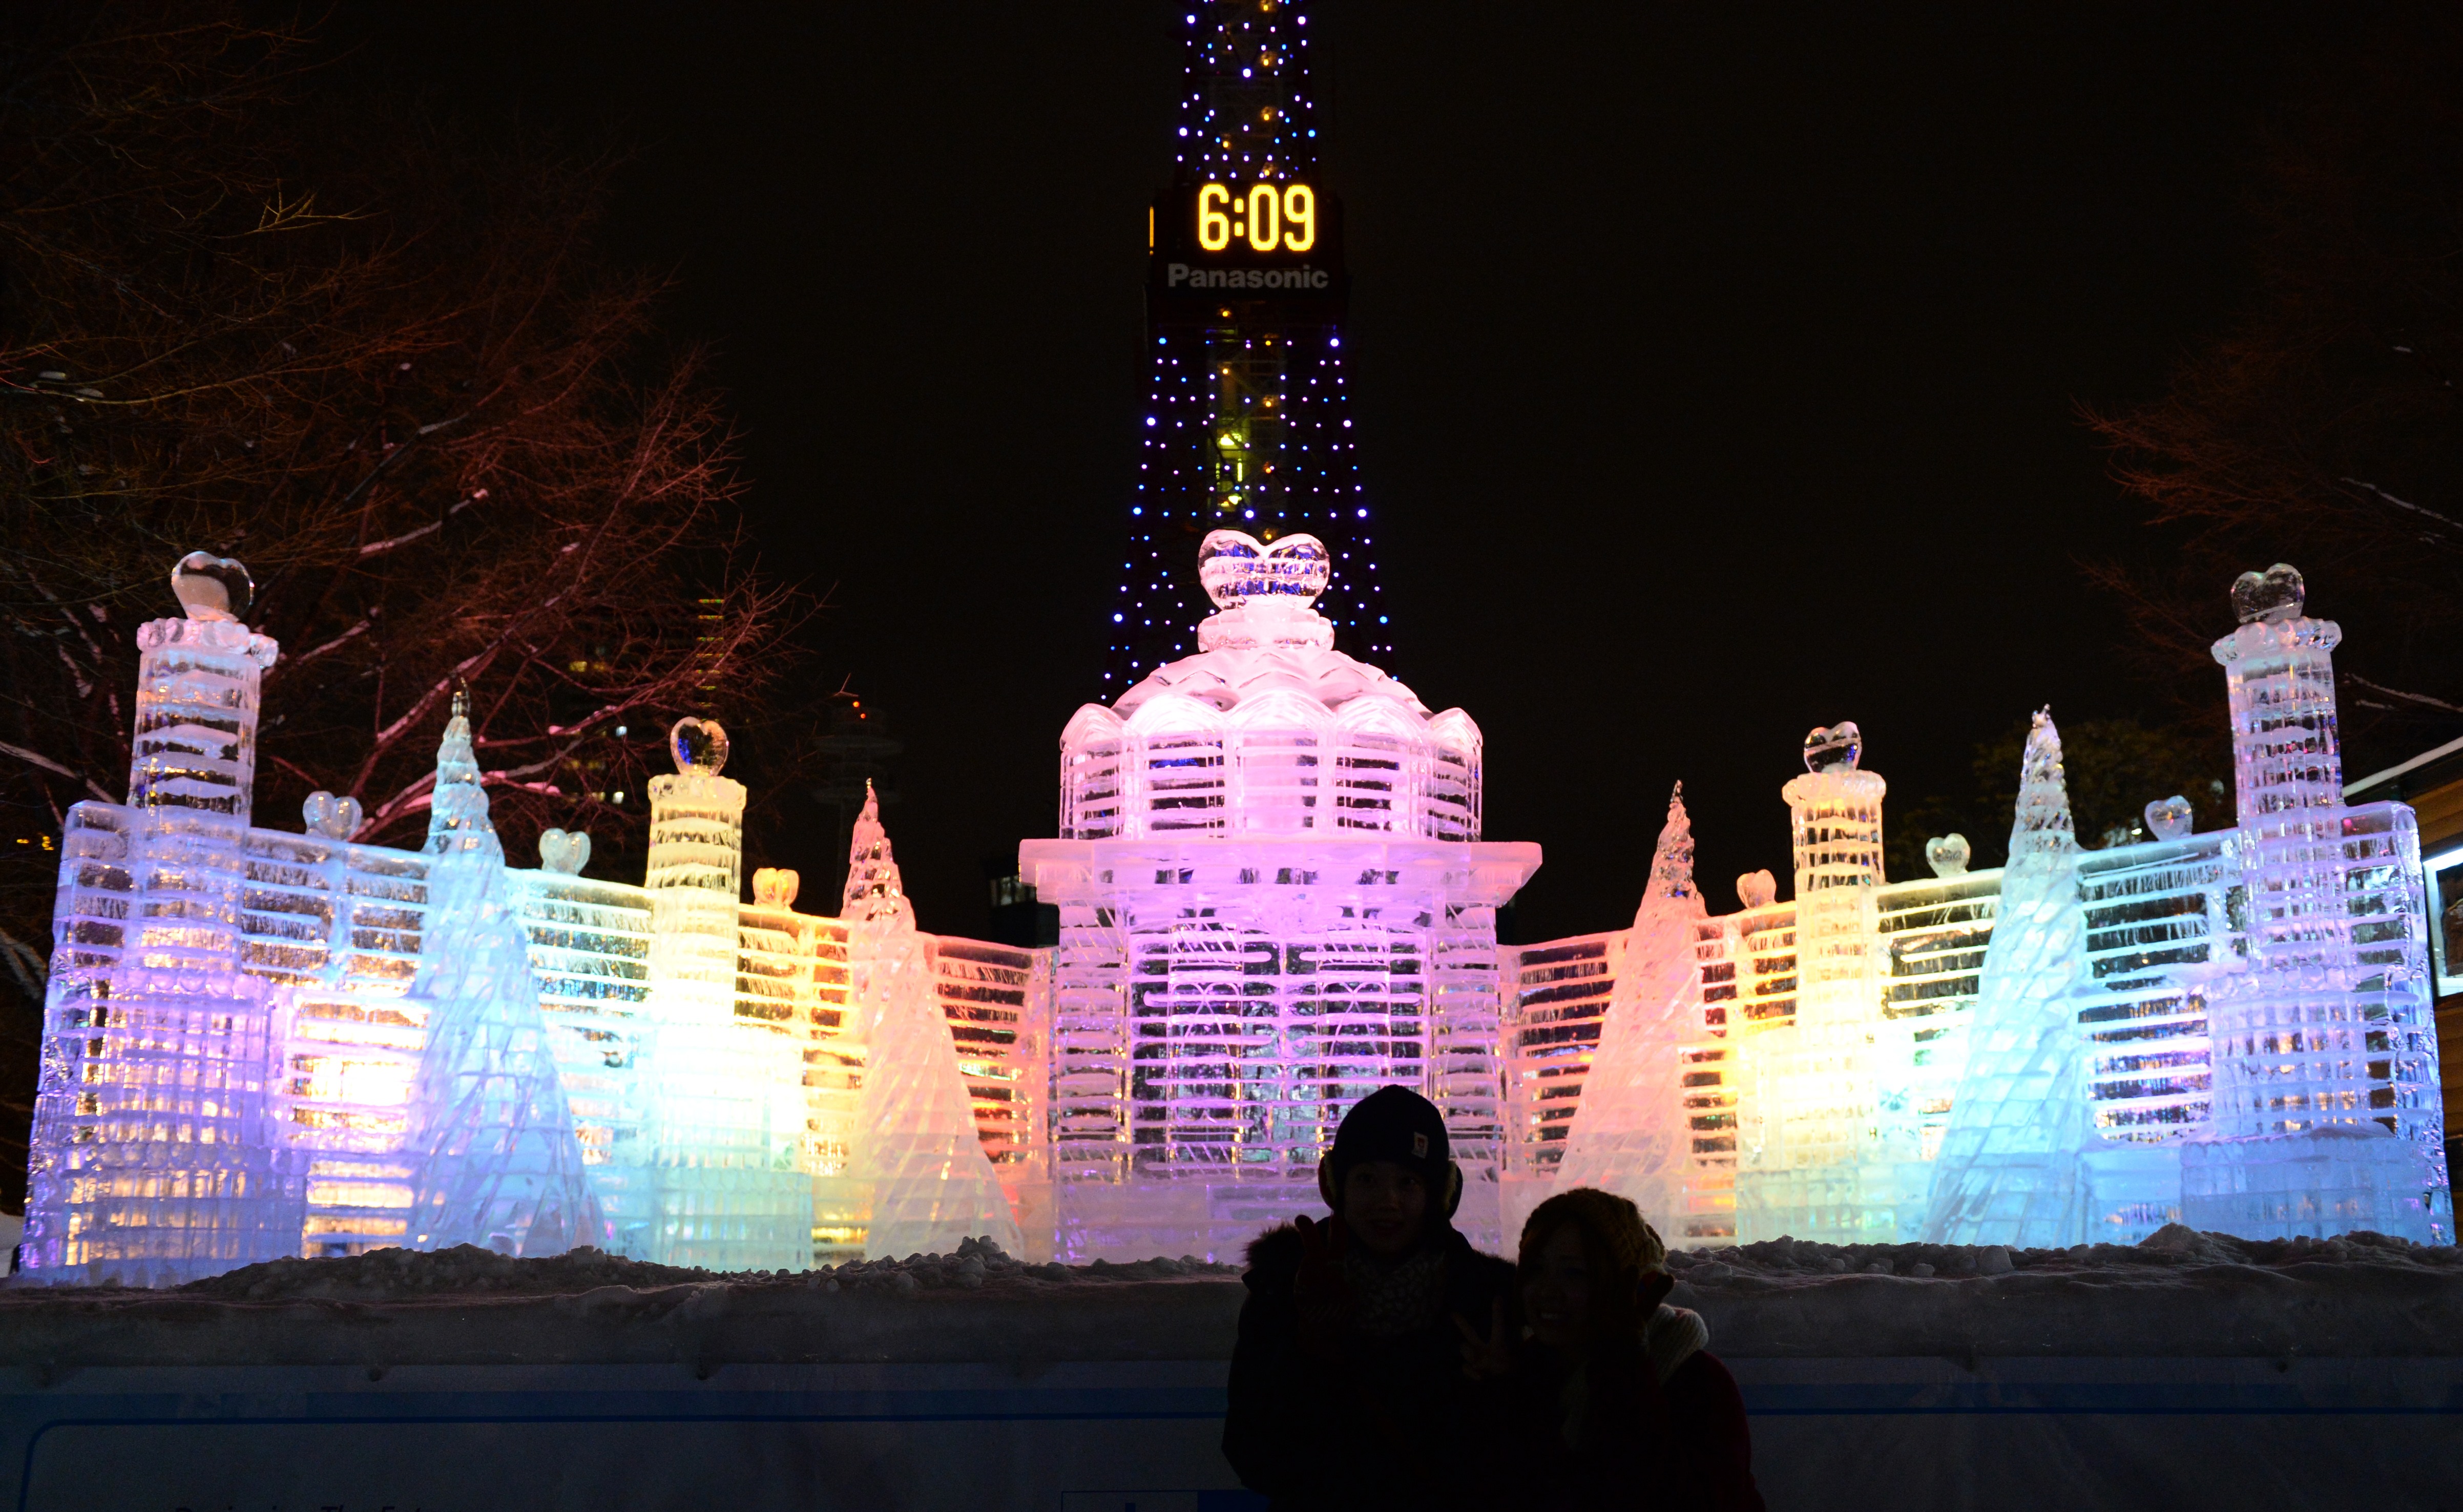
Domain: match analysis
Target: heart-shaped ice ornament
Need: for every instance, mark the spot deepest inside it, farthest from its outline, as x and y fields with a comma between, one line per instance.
x=1235, y=566
x=699, y=746
x=334, y=818
x=212, y=587
x=565, y=850
x=776, y=887
x=1837, y=748
x=1756, y=889
x=2168, y=818
x=2274, y=595
x=1948, y=855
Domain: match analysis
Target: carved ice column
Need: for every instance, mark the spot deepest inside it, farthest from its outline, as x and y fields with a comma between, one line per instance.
x=723, y=1095
x=2324, y=1113
x=1831, y=1161
x=154, y=1147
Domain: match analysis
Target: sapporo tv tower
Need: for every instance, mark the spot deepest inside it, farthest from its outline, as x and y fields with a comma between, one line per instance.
x=1247, y=423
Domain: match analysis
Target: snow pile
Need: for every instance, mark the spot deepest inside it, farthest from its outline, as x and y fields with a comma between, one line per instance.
x=465, y=1270
x=2173, y=1247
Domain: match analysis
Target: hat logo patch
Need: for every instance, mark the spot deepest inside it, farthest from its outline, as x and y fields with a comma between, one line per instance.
x=1419, y=1147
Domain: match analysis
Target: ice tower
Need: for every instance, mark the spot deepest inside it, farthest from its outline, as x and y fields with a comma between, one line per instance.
x=1829, y=1146
x=2326, y=1109
x=723, y=1114
x=1247, y=423
x=1273, y=900
x=156, y=1155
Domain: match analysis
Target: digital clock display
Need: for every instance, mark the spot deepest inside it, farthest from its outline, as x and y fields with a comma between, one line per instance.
x=1269, y=218
x=1272, y=236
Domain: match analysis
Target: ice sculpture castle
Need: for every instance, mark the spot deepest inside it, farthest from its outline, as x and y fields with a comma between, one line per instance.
x=2230, y=1028
x=1275, y=899
x=259, y=1043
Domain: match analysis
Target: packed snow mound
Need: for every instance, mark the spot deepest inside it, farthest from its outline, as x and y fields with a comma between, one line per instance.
x=468, y=1269
x=2174, y=1246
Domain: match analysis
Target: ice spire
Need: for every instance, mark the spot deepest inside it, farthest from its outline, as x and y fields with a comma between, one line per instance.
x=1630, y=1135
x=457, y=809
x=1672, y=864
x=916, y=1141
x=2011, y=1165
x=873, y=890
x=2043, y=834
x=497, y=1162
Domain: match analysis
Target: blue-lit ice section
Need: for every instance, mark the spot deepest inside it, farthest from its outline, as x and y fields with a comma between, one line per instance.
x=494, y=1157
x=2010, y=1171
x=156, y=1155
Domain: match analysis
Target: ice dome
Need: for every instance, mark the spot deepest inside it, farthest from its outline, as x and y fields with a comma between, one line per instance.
x=1268, y=729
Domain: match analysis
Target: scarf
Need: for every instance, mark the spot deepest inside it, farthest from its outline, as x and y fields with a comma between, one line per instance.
x=1391, y=1299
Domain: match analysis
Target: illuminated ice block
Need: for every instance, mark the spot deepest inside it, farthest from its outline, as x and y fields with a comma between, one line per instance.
x=494, y=1154
x=723, y=1109
x=1273, y=900
x=2326, y=1113
x=1826, y=1151
x=589, y=951
x=1634, y=1135
x=156, y=1153
x=917, y=1147
x=2010, y=1168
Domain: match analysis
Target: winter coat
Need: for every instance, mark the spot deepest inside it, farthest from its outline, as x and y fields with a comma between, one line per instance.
x=1336, y=1416
x=1656, y=1424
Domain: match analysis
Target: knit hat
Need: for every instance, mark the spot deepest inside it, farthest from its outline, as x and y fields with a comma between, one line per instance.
x=1397, y=1124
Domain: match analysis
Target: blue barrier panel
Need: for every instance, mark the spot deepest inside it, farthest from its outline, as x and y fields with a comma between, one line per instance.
x=1141, y=1437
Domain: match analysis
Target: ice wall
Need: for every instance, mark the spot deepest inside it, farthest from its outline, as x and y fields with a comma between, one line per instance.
x=2010, y=1171
x=917, y=1148
x=589, y=952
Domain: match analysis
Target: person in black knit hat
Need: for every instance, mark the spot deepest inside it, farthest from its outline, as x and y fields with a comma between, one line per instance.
x=1353, y=1383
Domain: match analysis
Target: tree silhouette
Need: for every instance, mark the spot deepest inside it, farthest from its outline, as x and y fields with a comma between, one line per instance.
x=380, y=360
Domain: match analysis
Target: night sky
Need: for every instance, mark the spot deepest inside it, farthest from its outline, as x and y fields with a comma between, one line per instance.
x=1716, y=377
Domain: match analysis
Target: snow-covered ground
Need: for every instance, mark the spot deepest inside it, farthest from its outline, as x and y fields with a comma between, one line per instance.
x=2170, y=1249
x=2188, y=1372
x=2178, y=1294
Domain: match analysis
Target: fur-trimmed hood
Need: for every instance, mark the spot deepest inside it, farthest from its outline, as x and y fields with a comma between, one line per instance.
x=1672, y=1336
